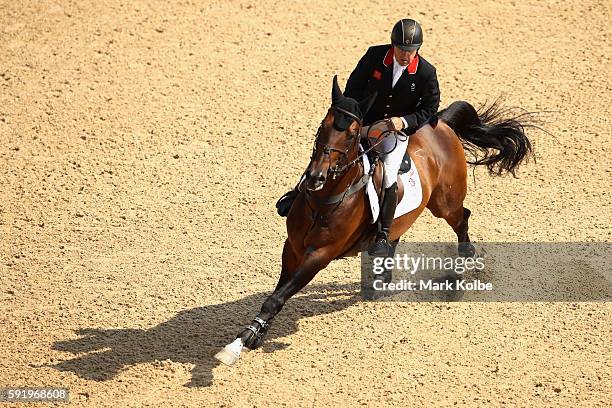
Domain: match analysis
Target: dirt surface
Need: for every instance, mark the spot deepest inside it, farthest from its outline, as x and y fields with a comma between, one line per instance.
x=143, y=146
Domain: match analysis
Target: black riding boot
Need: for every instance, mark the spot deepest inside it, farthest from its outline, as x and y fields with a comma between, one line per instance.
x=283, y=205
x=381, y=246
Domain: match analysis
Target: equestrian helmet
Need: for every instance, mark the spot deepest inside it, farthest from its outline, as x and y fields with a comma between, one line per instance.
x=407, y=35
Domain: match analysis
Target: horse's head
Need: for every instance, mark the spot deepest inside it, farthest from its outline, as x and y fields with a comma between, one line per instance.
x=337, y=138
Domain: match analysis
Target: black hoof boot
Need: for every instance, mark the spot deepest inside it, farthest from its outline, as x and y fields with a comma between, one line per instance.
x=253, y=335
x=283, y=205
x=466, y=250
x=258, y=340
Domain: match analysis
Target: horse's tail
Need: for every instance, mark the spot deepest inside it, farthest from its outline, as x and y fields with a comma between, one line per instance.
x=493, y=135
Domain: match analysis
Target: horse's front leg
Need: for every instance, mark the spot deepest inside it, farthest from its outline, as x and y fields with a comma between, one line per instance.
x=289, y=284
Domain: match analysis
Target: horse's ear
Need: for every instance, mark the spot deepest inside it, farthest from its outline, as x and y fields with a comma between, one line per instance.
x=366, y=103
x=336, y=92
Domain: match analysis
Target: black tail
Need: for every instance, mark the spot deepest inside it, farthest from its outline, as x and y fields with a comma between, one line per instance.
x=493, y=135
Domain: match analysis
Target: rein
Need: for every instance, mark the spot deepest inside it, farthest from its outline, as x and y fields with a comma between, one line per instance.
x=381, y=138
x=337, y=170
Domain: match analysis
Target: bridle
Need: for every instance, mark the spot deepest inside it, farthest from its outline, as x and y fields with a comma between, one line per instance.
x=338, y=170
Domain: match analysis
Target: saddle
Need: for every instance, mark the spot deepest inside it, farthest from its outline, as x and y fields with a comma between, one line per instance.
x=372, y=154
x=405, y=167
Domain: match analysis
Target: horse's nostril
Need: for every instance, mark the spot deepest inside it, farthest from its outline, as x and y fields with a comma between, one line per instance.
x=321, y=177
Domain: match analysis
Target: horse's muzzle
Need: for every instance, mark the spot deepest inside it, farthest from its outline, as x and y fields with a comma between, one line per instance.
x=315, y=182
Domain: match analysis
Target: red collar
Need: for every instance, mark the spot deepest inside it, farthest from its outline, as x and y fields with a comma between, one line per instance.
x=412, y=67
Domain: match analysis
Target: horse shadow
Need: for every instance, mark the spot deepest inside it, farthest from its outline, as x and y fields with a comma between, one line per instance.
x=193, y=336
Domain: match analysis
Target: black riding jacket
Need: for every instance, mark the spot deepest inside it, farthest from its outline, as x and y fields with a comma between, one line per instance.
x=415, y=96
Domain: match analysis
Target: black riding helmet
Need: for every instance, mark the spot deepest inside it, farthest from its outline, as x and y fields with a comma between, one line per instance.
x=407, y=35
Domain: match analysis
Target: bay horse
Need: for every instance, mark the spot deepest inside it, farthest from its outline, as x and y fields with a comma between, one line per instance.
x=329, y=219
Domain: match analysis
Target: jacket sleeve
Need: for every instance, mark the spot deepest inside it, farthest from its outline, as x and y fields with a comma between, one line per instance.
x=430, y=101
x=358, y=80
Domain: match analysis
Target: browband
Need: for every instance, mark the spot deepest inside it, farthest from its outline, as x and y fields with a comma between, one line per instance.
x=349, y=114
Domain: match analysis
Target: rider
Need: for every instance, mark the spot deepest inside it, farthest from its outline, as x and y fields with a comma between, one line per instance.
x=407, y=96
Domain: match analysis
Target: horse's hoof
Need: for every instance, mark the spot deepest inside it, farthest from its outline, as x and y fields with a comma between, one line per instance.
x=230, y=353
x=466, y=250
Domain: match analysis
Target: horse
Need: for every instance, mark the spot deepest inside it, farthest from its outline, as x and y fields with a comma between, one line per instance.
x=329, y=219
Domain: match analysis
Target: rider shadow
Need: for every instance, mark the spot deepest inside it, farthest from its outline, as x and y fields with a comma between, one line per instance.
x=193, y=336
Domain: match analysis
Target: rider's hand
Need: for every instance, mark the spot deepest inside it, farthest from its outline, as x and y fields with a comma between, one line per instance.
x=397, y=123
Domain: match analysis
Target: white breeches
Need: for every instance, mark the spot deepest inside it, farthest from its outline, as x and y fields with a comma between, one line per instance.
x=391, y=151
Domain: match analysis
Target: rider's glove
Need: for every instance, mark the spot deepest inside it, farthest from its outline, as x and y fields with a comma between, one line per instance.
x=396, y=123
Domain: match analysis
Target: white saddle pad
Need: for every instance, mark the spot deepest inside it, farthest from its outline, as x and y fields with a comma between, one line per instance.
x=413, y=193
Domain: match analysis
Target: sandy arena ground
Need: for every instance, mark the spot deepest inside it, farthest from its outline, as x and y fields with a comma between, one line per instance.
x=143, y=146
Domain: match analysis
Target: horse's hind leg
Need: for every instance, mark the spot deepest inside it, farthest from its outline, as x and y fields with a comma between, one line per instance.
x=449, y=206
x=458, y=220
x=465, y=247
